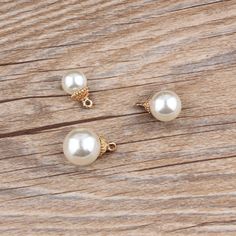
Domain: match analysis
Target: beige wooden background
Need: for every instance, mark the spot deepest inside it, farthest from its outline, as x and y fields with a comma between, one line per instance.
x=177, y=178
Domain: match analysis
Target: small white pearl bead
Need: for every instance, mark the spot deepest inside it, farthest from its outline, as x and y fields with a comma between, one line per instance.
x=165, y=105
x=82, y=146
x=73, y=81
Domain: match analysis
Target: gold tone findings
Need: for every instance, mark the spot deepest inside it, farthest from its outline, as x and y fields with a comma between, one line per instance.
x=105, y=146
x=82, y=95
x=145, y=105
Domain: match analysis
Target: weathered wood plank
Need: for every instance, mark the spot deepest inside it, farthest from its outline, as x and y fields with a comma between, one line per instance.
x=177, y=178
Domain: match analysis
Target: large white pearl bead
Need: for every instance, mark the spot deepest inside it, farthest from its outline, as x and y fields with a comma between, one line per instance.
x=165, y=105
x=82, y=146
x=73, y=81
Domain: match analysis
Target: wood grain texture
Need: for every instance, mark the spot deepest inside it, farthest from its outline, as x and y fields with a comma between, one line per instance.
x=176, y=178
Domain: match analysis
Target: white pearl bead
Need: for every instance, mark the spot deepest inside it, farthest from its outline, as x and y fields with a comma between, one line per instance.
x=82, y=146
x=165, y=105
x=74, y=81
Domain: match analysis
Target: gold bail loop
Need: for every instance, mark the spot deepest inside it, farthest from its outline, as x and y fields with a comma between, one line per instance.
x=145, y=105
x=82, y=95
x=111, y=147
x=87, y=103
x=105, y=146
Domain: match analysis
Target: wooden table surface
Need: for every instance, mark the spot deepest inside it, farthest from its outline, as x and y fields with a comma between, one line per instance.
x=176, y=178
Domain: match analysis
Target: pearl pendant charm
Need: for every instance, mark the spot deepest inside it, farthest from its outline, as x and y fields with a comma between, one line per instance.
x=75, y=84
x=83, y=146
x=164, y=105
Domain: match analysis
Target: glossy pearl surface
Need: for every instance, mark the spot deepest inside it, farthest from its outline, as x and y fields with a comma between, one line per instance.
x=73, y=81
x=165, y=105
x=82, y=146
